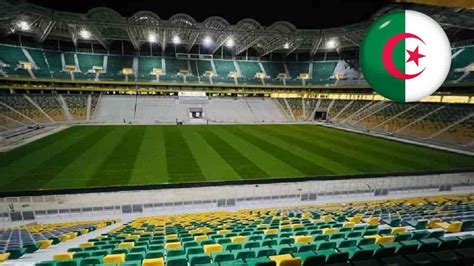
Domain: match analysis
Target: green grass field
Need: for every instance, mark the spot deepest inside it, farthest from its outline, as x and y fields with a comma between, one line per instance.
x=99, y=156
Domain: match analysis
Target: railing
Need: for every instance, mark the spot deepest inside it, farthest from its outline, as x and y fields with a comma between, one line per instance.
x=240, y=196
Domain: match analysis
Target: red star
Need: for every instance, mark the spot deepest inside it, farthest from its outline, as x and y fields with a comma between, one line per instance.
x=414, y=56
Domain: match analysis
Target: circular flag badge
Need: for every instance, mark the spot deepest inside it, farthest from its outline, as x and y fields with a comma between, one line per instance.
x=405, y=56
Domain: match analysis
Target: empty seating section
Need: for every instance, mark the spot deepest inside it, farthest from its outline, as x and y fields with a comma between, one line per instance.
x=438, y=120
x=115, y=65
x=50, y=105
x=43, y=69
x=391, y=109
x=401, y=230
x=464, y=57
x=322, y=71
x=296, y=106
x=12, y=56
x=272, y=69
x=348, y=111
x=21, y=104
x=223, y=67
x=69, y=59
x=55, y=65
x=146, y=66
x=462, y=133
x=203, y=66
x=18, y=241
x=296, y=69
x=86, y=64
x=249, y=69
x=10, y=119
x=77, y=105
x=173, y=68
x=309, y=105
x=94, y=102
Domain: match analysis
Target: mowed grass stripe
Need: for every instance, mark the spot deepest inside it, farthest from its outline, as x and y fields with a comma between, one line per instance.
x=330, y=150
x=312, y=155
x=119, y=164
x=38, y=149
x=150, y=165
x=241, y=164
x=356, y=150
x=78, y=173
x=53, y=162
x=423, y=155
x=302, y=164
x=181, y=164
x=213, y=166
x=269, y=164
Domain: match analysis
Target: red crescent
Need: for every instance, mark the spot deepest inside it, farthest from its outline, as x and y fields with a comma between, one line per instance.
x=387, y=55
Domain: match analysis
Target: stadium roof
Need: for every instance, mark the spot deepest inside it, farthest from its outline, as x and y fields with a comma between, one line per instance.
x=104, y=25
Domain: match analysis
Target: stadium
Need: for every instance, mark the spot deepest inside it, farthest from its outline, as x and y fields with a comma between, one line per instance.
x=145, y=140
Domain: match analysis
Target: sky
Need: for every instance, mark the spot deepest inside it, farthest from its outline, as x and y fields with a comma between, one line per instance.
x=304, y=14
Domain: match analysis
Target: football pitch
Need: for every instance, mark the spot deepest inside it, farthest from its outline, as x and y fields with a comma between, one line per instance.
x=101, y=156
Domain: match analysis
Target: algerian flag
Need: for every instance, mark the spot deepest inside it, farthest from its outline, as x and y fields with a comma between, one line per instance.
x=405, y=56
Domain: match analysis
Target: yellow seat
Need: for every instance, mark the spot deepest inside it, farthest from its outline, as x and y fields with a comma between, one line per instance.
x=372, y=220
x=354, y=219
x=453, y=227
x=330, y=231
x=45, y=243
x=285, y=260
x=153, y=262
x=171, y=237
x=133, y=237
x=382, y=239
x=294, y=226
x=114, y=258
x=201, y=238
x=270, y=231
x=238, y=239
x=86, y=245
x=127, y=245
x=223, y=232
x=398, y=230
x=63, y=256
x=348, y=224
x=209, y=249
x=433, y=223
x=4, y=257
x=173, y=246
x=285, y=226
x=303, y=239
x=327, y=218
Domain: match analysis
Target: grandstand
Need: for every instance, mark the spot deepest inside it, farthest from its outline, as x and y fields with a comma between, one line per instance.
x=138, y=140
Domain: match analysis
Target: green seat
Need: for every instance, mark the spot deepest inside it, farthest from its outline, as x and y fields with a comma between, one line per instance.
x=232, y=263
x=361, y=255
x=120, y=251
x=366, y=241
x=185, y=245
x=222, y=256
x=223, y=241
x=139, y=256
x=321, y=238
x=16, y=253
x=74, y=262
x=310, y=258
x=403, y=236
x=75, y=250
x=175, y=252
x=81, y=254
x=384, y=252
x=244, y=254
x=418, y=224
x=420, y=234
x=265, y=252
x=448, y=242
x=232, y=246
x=100, y=253
x=429, y=244
x=466, y=241
x=177, y=261
x=250, y=245
x=327, y=245
x=354, y=234
x=338, y=257
x=263, y=261
x=198, y=259
x=422, y=259
x=447, y=257
x=92, y=260
x=139, y=249
x=306, y=247
x=436, y=233
x=154, y=255
x=285, y=249
x=286, y=241
x=347, y=243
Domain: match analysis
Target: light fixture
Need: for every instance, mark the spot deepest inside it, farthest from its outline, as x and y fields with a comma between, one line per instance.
x=229, y=43
x=85, y=34
x=331, y=44
x=23, y=25
x=152, y=37
x=207, y=41
x=286, y=46
x=176, y=39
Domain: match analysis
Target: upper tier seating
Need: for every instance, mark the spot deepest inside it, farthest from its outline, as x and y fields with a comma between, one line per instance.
x=401, y=231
